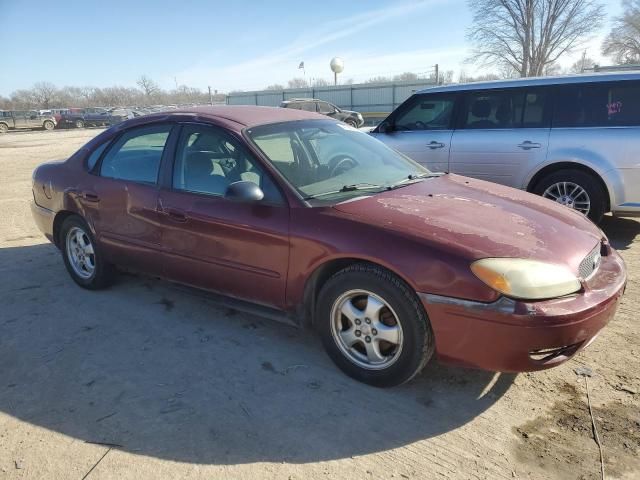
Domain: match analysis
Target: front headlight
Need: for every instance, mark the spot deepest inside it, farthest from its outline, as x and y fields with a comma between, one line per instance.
x=525, y=279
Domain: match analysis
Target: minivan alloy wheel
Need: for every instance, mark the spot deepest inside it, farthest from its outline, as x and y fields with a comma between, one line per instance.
x=80, y=253
x=366, y=329
x=569, y=194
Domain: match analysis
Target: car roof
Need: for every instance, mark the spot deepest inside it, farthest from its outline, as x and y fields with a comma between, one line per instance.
x=535, y=81
x=248, y=115
x=301, y=100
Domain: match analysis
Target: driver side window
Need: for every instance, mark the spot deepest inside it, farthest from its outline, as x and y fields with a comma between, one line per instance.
x=426, y=112
x=208, y=160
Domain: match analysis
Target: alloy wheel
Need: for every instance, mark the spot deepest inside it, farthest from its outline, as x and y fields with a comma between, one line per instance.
x=366, y=329
x=569, y=194
x=80, y=253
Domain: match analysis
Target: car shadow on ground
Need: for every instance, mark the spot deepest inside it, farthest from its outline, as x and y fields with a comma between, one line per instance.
x=159, y=372
x=621, y=231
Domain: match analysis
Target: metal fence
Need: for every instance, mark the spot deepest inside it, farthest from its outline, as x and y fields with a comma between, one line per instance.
x=364, y=97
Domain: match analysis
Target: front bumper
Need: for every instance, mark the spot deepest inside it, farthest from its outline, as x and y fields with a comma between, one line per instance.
x=519, y=336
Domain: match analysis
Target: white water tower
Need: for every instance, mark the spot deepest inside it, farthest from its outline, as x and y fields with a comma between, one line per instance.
x=337, y=66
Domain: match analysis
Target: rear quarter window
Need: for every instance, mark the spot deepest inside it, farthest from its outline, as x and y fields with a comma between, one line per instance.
x=608, y=104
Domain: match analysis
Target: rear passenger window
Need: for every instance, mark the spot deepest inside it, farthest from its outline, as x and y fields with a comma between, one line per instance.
x=505, y=109
x=136, y=155
x=309, y=106
x=493, y=109
x=597, y=105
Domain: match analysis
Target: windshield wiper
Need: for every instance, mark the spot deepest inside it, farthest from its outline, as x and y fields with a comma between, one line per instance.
x=349, y=188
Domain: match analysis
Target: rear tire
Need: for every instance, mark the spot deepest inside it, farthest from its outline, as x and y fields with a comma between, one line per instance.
x=551, y=186
x=384, y=338
x=48, y=125
x=82, y=256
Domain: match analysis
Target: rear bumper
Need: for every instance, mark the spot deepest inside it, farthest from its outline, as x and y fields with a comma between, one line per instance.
x=44, y=220
x=518, y=336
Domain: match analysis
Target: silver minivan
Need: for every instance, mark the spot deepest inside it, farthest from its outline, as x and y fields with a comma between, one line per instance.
x=573, y=139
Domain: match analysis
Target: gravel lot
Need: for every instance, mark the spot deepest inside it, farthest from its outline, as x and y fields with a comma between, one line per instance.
x=147, y=380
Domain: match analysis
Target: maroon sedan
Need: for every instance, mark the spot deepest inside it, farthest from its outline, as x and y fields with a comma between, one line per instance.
x=288, y=211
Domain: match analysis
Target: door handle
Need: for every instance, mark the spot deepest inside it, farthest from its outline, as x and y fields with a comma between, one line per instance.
x=433, y=145
x=528, y=145
x=91, y=197
x=174, y=214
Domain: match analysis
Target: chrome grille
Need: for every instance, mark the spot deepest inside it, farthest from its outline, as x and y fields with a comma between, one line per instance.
x=590, y=263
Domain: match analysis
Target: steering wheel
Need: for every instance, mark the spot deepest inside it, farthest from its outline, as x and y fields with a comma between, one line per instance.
x=341, y=164
x=420, y=125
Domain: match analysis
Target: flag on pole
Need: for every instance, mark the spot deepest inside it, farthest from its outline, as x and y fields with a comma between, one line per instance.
x=301, y=65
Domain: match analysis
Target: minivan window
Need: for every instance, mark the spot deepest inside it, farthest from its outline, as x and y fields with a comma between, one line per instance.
x=493, y=109
x=505, y=109
x=136, y=155
x=426, y=112
x=324, y=107
x=597, y=105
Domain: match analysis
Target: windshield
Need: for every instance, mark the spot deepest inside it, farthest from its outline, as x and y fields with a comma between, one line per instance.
x=323, y=158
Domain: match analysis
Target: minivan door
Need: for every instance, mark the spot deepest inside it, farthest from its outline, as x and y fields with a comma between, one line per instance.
x=421, y=128
x=501, y=135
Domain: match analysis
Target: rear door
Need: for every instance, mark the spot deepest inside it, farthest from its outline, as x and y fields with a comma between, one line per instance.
x=234, y=248
x=122, y=197
x=422, y=127
x=21, y=119
x=501, y=135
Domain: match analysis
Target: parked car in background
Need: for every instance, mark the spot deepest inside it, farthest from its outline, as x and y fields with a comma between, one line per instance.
x=95, y=117
x=325, y=108
x=573, y=139
x=16, y=119
x=250, y=202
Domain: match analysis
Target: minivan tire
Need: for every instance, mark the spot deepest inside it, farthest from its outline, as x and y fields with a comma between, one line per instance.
x=416, y=345
x=103, y=273
x=597, y=195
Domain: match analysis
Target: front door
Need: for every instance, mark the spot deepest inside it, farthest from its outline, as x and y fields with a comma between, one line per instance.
x=422, y=129
x=121, y=199
x=234, y=248
x=501, y=136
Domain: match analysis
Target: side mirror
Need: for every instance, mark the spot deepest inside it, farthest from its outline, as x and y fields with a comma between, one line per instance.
x=244, y=191
x=385, y=127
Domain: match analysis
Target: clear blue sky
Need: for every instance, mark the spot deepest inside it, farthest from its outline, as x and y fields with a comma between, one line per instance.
x=229, y=44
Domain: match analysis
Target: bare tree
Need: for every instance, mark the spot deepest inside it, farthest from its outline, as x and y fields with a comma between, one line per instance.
x=275, y=86
x=43, y=93
x=584, y=63
x=406, y=77
x=297, y=83
x=379, y=79
x=529, y=35
x=623, y=42
x=148, y=86
x=320, y=82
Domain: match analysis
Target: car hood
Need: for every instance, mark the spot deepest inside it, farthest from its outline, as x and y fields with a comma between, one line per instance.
x=479, y=219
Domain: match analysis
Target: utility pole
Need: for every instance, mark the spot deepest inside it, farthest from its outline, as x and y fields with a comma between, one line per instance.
x=584, y=59
x=210, y=97
x=437, y=79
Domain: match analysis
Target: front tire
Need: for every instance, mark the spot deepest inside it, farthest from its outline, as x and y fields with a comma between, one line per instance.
x=82, y=256
x=373, y=326
x=79, y=124
x=576, y=189
x=48, y=125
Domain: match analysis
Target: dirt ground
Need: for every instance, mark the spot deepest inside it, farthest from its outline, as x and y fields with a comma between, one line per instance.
x=147, y=380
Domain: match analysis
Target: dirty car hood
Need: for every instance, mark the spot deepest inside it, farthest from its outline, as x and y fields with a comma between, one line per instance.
x=480, y=219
